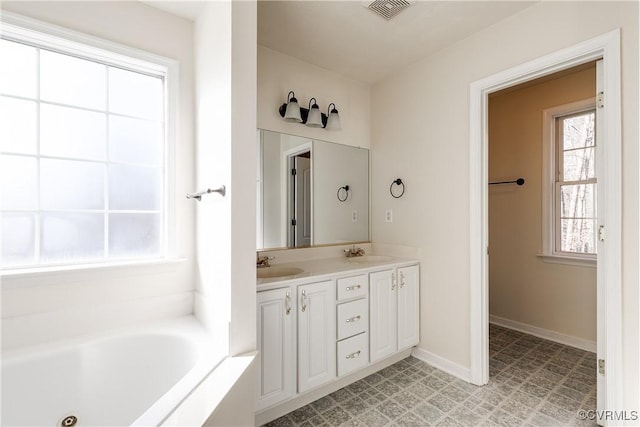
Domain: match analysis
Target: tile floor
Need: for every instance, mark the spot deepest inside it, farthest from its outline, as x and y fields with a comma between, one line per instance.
x=533, y=382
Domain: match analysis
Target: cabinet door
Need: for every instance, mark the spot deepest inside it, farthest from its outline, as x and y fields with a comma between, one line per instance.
x=408, y=307
x=382, y=314
x=316, y=334
x=275, y=343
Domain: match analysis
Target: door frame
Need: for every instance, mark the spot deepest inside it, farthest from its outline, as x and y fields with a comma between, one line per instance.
x=607, y=48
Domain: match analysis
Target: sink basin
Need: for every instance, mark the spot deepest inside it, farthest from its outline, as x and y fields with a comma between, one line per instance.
x=273, y=272
x=369, y=258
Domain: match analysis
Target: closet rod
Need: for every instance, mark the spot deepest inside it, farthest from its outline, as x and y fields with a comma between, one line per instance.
x=519, y=181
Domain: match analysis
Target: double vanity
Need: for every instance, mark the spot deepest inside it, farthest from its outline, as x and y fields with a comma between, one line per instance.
x=325, y=323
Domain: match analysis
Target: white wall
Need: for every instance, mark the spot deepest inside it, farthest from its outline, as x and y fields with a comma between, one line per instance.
x=335, y=166
x=58, y=305
x=522, y=286
x=433, y=160
x=225, y=40
x=279, y=73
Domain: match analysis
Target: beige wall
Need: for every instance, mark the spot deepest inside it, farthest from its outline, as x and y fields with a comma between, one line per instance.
x=279, y=73
x=522, y=287
x=420, y=132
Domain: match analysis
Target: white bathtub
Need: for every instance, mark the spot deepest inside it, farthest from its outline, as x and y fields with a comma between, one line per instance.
x=133, y=378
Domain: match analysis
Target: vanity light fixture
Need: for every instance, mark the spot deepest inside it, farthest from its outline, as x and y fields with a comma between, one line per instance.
x=333, y=119
x=312, y=117
x=291, y=110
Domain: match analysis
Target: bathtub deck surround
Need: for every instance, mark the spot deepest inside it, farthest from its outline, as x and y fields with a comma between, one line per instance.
x=131, y=376
x=324, y=323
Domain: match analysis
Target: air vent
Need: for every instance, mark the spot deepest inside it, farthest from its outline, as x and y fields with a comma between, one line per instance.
x=388, y=8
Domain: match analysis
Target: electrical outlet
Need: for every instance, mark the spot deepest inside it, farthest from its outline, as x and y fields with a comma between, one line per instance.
x=354, y=216
x=388, y=215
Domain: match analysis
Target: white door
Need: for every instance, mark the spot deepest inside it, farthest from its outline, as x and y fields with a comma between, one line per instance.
x=382, y=314
x=275, y=343
x=316, y=334
x=408, y=306
x=302, y=201
x=600, y=280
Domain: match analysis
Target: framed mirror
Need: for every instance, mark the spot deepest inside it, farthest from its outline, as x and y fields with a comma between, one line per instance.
x=310, y=192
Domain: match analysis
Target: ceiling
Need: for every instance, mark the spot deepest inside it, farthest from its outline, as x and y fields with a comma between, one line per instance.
x=346, y=37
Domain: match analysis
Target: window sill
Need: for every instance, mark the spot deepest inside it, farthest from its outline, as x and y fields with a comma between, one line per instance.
x=569, y=260
x=81, y=271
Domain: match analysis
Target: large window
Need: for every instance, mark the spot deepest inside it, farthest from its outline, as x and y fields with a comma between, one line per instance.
x=82, y=164
x=570, y=187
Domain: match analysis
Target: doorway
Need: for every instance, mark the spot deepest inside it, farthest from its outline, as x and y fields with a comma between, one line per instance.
x=542, y=301
x=607, y=48
x=299, y=199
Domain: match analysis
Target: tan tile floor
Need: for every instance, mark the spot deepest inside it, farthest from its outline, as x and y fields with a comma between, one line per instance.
x=533, y=382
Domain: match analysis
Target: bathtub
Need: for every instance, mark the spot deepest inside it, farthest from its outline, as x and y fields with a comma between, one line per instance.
x=137, y=377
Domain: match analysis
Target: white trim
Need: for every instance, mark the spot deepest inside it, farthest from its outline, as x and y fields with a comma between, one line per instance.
x=569, y=260
x=607, y=47
x=441, y=363
x=547, y=334
x=60, y=39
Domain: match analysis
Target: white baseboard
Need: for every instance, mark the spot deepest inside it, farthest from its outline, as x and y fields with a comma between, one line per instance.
x=441, y=363
x=547, y=334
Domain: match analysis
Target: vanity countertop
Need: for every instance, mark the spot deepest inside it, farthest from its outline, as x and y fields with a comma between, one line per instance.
x=325, y=268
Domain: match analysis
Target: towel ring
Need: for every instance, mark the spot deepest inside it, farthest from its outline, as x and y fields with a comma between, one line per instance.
x=399, y=183
x=346, y=193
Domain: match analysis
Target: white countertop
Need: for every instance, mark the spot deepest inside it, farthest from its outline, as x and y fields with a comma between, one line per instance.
x=320, y=269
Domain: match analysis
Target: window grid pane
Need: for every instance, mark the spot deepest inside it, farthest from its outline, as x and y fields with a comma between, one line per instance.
x=576, y=191
x=66, y=168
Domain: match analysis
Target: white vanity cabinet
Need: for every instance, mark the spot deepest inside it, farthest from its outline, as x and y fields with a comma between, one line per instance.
x=316, y=334
x=276, y=345
x=352, y=318
x=393, y=311
x=408, y=306
x=319, y=330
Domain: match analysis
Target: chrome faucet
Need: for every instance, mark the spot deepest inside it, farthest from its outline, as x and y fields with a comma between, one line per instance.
x=354, y=252
x=263, y=261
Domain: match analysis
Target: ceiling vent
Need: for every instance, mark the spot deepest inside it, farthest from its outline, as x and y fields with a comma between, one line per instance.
x=388, y=8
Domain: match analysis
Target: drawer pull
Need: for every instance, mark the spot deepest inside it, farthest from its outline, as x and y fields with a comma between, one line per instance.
x=352, y=288
x=304, y=301
x=353, y=319
x=353, y=355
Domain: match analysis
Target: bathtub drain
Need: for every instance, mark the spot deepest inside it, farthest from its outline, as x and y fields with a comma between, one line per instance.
x=69, y=421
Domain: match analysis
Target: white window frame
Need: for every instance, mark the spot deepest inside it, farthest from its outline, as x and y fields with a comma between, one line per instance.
x=21, y=29
x=550, y=186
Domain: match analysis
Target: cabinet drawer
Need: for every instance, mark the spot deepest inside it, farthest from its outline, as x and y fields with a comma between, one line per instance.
x=352, y=287
x=352, y=318
x=353, y=354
